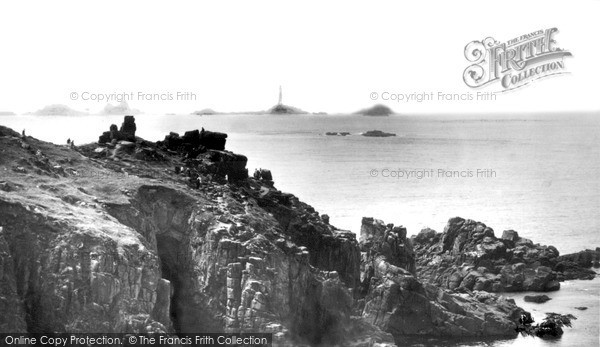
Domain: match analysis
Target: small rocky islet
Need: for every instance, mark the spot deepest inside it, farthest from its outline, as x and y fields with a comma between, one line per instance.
x=370, y=133
x=174, y=236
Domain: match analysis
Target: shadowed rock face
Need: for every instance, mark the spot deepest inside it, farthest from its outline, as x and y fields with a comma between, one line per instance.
x=468, y=256
x=387, y=243
x=76, y=280
x=119, y=252
x=397, y=302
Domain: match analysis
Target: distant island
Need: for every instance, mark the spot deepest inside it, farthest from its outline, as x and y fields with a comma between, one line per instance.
x=339, y=133
x=7, y=113
x=121, y=109
x=205, y=112
x=377, y=133
x=376, y=111
x=57, y=110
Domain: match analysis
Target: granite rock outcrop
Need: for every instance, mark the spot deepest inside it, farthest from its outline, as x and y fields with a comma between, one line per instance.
x=468, y=256
x=174, y=237
x=394, y=299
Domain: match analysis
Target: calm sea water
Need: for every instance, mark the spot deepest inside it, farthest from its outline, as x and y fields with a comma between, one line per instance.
x=539, y=174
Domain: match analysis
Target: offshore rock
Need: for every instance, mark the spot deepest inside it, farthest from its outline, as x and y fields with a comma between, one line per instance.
x=540, y=299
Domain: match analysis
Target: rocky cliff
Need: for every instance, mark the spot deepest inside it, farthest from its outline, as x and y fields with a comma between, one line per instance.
x=396, y=301
x=173, y=236
x=142, y=237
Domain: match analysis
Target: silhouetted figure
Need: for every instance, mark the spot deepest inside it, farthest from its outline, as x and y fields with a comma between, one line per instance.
x=23, y=133
x=68, y=141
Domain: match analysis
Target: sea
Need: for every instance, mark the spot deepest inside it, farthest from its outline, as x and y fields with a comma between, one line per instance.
x=537, y=174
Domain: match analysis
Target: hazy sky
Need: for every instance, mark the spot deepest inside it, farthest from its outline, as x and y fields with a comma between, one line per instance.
x=327, y=55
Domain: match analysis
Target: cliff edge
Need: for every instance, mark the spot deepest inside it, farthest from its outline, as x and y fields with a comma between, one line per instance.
x=128, y=235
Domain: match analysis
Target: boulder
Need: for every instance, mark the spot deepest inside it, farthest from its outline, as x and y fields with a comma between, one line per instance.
x=213, y=140
x=228, y=164
x=105, y=137
x=510, y=235
x=540, y=299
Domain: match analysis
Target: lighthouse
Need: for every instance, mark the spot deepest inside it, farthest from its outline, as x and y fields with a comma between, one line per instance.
x=280, y=108
x=280, y=97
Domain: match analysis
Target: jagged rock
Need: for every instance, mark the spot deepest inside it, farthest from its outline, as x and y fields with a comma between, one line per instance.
x=127, y=129
x=194, y=142
x=75, y=279
x=397, y=302
x=388, y=242
x=327, y=248
x=468, y=256
x=510, y=235
x=551, y=327
x=114, y=135
x=577, y=265
x=147, y=254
